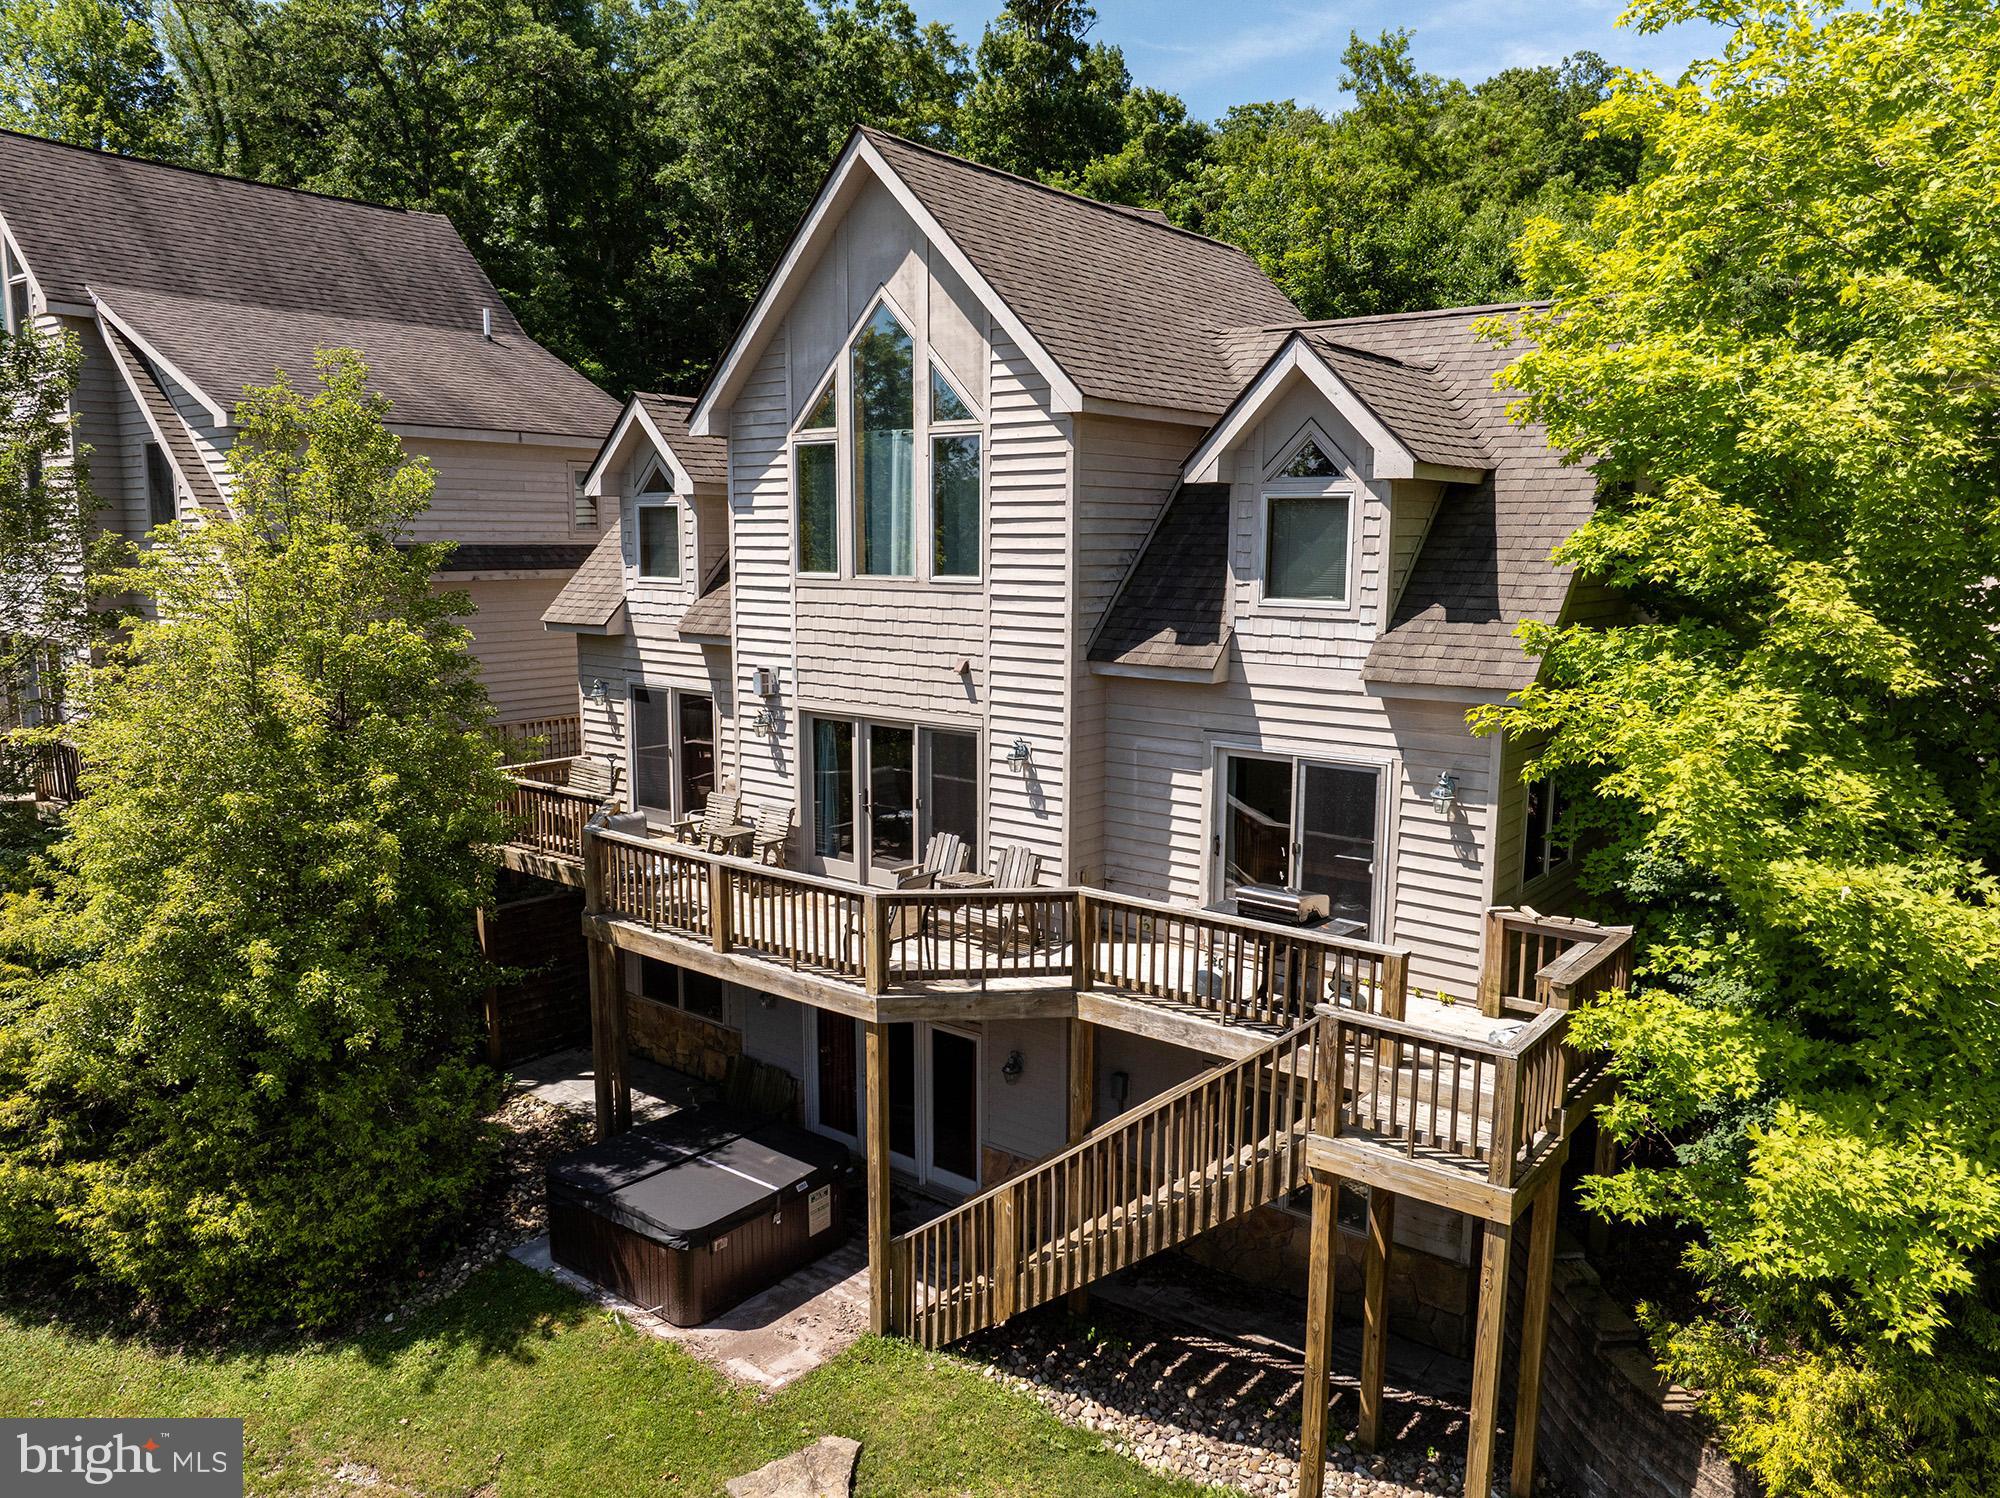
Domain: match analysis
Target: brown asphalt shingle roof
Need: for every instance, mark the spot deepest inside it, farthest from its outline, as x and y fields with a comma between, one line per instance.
x=1428, y=415
x=230, y=280
x=706, y=459
x=596, y=590
x=1173, y=610
x=143, y=380
x=708, y=617
x=1131, y=308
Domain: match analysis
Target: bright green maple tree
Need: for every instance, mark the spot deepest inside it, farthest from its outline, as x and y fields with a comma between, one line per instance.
x=237, y=1078
x=1781, y=348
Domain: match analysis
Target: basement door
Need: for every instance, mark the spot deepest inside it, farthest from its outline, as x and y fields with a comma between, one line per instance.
x=934, y=1095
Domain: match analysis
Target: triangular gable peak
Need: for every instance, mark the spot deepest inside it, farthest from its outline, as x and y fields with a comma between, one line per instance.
x=696, y=464
x=1116, y=310
x=1410, y=423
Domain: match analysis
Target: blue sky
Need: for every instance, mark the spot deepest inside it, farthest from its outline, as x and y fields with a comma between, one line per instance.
x=1217, y=54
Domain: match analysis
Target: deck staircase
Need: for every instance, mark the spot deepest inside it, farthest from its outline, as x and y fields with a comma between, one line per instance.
x=1200, y=1155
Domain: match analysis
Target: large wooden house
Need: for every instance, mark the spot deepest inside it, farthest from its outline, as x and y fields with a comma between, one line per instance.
x=1027, y=525
x=185, y=287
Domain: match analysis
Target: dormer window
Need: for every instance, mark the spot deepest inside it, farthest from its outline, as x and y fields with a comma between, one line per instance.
x=915, y=472
x=17, y=289
x=658, y=518
x=1308, y=515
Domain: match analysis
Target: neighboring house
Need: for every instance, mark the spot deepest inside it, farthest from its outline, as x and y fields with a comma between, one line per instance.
x=184, y=287
x=1041, y=522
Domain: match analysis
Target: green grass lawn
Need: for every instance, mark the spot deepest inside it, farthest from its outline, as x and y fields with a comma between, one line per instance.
x=518, y=1386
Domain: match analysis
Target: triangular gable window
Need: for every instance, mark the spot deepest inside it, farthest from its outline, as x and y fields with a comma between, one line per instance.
x=1309, y=463
x=946, y=403
x=820, y=417
x=657, y=482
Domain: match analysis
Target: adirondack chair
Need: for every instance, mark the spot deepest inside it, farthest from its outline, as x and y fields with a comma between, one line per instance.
x=772, y=834
x=1015, y=867
x=1009, y=866
x=720, y=815
x=944, y=856
x=595, y=778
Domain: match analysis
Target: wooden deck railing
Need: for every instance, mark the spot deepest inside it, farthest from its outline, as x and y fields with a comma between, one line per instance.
x=1231, y=969
x=546, y=818
x=558, y=737
x=1195, y=1157
x=1535, y=962
x=1219, y=967
x=57, y=767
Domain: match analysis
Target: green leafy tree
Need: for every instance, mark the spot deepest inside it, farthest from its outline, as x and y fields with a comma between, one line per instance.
x=1781, y=347
x=88, y=72
x=1162, y=155
x=1045, y=100
x=1415, y=197
x=239, y=1080
x=45, y=521
x=747, y=102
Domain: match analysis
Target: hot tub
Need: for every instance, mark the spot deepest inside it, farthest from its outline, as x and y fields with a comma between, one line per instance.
x=688, y=1215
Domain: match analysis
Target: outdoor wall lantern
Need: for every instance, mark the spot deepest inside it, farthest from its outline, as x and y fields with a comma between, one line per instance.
x=1017, y=757
x=1444, y=795
x=765, y=721
x=599, y=690
x=1011, y=1069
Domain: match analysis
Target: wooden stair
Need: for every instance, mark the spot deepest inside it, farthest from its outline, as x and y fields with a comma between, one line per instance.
x=1196, y=1157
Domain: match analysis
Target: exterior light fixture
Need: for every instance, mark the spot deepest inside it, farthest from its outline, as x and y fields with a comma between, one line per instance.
x=598, y=689
x=1444, y=795
x=1017, y=757
x=1011, y=1069
x=765, y=721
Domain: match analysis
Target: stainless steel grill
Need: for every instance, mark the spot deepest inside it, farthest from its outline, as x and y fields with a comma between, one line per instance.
x=1280, y=905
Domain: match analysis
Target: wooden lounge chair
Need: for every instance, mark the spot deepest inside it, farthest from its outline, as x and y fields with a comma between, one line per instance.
x=771, y=837
x=944, y=856
x=595, y=778
x=721, y=813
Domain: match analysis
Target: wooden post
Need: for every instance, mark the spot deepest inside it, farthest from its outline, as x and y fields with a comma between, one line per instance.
x=1083, y=950
x=1375, y=1314
x=881, y=1273
x=1534, y=1330
x=1082, y=1109
x=1483, y=1417
x=1006, y=1254
x=482, y=927
x=875, y=927
x=720, y=912
x=1506, y=1120
x=1493, y=965
x=1396, y=985
x=1316, y=1396
x=607, y=1039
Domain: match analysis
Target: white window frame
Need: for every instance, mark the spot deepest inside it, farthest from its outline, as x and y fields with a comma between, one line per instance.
x=921, y=1167
x=805, y=436
x=683, y=526
x=1555, y=856
x=921, y=730
x=1275, y=486
x=579, y=475
x=16, y=274
x=1387, y=769
x=847, y=514
x=672, y=696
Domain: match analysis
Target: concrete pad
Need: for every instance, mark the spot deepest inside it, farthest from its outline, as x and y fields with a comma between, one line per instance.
x=564, y=1079
x=776, y=1336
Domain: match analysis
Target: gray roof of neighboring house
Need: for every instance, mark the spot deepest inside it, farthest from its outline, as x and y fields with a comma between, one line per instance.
x=1173, y=610
x=706, y=459
x=596, y=590
x=709, y=617
x=1485, y=562
x=144, y=381
x=1130, y=307
x=523, y=556
x=230, y=280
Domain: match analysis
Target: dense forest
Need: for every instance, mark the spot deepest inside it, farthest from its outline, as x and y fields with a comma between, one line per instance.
x=629, y=172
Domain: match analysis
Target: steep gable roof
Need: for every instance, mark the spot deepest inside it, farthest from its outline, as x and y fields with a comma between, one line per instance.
x=595, y=593
x=1130, y=307
x=229, y=280
x=706, y=459
x=1172, y=613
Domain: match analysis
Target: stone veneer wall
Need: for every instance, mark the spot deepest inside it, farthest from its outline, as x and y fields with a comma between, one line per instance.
x=1430, y=1298
x=687, y=1043
x=1611, y=1426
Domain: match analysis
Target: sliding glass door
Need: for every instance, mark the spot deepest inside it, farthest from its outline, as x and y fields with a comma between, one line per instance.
x=880, y=791
x=673, y=751
x=1304, y=824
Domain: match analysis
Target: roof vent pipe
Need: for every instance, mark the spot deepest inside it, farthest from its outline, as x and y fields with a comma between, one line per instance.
x=486, y=323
